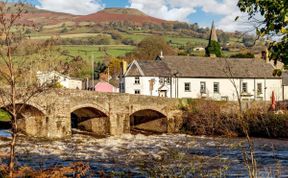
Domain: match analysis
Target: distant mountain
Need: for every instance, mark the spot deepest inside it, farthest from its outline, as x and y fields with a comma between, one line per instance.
x=109, y=15
x=128, y=15
x=37, y=16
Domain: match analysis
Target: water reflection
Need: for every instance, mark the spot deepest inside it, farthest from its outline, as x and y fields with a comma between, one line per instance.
x=5, y=133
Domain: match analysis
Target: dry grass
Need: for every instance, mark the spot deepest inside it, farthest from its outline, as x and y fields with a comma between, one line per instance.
x=213, y=118
x=77, y=170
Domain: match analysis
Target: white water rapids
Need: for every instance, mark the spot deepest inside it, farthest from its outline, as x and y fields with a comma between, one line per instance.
x=154, y=155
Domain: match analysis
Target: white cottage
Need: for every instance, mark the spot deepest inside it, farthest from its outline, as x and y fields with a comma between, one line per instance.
x=198, y=77
x=65, y=81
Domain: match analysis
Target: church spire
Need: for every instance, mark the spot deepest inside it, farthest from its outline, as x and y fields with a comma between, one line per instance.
x=213, y=33
x=213, y=49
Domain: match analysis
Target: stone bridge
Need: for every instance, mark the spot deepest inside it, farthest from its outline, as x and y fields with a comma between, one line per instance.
x=53, y=114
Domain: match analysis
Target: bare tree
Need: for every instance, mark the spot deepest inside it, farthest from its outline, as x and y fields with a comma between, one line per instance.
x=20, y=58
x=248, y=157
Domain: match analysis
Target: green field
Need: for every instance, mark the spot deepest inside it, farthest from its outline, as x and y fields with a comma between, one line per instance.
x=185, y=40
x=174, y=40
x=96, y=51
x=75, y=35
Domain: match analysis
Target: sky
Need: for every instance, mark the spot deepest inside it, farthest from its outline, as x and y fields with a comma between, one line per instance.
x=203, y=12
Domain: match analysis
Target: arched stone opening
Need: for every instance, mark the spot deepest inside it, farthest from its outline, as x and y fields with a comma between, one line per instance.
x=148, y=121
x=5, y=119
x=90, y=119
x=30, y=120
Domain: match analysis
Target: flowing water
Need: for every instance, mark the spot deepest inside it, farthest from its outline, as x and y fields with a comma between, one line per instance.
x=155, y=155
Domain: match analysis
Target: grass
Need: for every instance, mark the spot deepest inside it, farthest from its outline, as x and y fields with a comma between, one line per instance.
x=89, y=51
x=137, y=37
x=184, y=40
x=4, y=116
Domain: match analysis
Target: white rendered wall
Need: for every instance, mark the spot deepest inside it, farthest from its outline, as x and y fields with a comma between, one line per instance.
x=144, y=86
x=226, y=88
x=285, y=92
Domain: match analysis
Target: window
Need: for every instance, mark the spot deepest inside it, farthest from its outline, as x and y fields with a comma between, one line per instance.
x=164, y=80
x=137, y=80
x=244, y=87
x=187, y=87
x=202, y=87
x=259, y=88
x=137, y=92
x=161, y=80
x=216, y=87
x=167, y=80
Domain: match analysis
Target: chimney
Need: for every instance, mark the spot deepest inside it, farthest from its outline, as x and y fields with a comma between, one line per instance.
x=265, y=56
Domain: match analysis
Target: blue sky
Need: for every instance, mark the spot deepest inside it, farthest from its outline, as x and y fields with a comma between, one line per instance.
x=191, y=11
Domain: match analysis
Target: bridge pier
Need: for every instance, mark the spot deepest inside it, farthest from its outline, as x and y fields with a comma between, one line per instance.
x=45, y=127
x=118, y=123
x=99, y=126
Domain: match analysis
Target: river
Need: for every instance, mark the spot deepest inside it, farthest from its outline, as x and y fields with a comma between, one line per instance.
x=155, y=155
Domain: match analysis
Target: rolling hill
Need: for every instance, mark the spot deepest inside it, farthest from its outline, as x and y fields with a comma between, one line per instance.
x=110, y=15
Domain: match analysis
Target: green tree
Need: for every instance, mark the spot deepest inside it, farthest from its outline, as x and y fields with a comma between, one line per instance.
x=275, y=13
x=100, y=67
x=213, y=48
x=248, y=41
x=64, y=30
x=150, y=47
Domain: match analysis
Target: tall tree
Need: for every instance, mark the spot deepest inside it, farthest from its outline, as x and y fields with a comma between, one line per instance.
x=275, y=24
x=150, y=47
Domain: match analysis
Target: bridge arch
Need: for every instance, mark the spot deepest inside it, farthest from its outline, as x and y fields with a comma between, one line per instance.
x=30, y=119
x=148, y=120
x=89, y=118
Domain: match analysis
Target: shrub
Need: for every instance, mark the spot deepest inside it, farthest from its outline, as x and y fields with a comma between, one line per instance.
x=116, y=35
x=208, y=118
x=243, y=55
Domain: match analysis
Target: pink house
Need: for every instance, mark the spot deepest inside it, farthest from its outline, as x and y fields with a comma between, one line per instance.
x=106, y=87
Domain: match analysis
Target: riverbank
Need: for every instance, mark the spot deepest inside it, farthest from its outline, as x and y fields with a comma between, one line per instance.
x=213, y=118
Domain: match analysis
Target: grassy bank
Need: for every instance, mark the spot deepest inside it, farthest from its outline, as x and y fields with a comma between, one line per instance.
x=4, y=116
x=209, y=118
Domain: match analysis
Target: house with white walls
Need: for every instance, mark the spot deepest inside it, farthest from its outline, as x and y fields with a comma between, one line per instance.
x=199, y=77
x=63, y=80
x=285, y=85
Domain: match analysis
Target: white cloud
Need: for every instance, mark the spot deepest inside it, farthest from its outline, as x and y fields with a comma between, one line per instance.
x=78, y=7
x=181, y=9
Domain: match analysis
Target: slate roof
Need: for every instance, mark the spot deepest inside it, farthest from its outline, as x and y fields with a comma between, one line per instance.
x=218, y=67
x=150, y=68
x=203, y=67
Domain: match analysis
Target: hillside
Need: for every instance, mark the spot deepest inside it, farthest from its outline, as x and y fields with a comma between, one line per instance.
x=112, y=15
x=109, y=15
x=37, y=16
